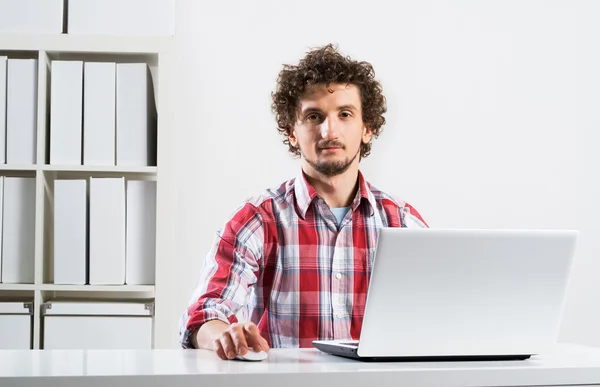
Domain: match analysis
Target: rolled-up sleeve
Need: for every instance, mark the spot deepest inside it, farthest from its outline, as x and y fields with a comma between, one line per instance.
x=230, y=269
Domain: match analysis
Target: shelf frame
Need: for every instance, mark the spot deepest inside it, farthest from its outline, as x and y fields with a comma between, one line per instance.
x=159, y=53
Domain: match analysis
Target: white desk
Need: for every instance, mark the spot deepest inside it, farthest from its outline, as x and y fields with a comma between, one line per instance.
x=567, y=365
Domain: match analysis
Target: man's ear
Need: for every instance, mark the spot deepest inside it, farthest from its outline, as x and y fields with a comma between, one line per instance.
x=366, y=135
x=292, y=137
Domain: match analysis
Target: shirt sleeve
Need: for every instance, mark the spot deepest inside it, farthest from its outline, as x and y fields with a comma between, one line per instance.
x=411, y=217
x=230, y=270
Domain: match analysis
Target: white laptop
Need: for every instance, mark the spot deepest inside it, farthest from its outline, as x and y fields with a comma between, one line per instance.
x=462, y=295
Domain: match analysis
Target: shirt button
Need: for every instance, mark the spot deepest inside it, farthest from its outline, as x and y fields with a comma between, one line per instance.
x=339, y=316
x=338, y=275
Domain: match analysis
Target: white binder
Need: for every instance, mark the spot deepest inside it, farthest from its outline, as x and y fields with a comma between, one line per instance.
x=141, y=232
x=18, y=239
x=3, y=63
x=21, y=111
x=1, y=217
x=70, y=229
x=107, y=231
x=122, y=18
x=66, y=104
x=99, y=113
x=136, y=131
x=31, y=16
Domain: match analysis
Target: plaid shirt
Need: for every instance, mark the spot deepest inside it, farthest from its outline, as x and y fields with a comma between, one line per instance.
x=283, y=263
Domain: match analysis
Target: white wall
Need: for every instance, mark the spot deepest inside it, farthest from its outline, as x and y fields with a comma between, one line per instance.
x=493, y=113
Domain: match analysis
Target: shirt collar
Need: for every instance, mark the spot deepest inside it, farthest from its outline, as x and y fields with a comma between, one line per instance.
x=305, y=193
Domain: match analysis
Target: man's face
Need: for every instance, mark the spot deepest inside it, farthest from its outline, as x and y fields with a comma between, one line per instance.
x=329, y=128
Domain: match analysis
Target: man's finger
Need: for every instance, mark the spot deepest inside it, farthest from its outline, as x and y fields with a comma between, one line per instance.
x=239, y=339
x=256, y=346
x=265, y=344
x=255, y=333
x=218, y=348
x=228, y=345
x=250, y=327
x=253, y=337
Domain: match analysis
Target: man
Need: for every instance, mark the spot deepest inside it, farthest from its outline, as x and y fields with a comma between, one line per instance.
x=295, y=261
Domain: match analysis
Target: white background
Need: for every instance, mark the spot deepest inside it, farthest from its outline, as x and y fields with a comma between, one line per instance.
x=493, y=116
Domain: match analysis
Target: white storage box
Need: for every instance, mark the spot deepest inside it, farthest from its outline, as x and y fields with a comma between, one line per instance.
x=15, y=325
x=31, y=16
x=97, y=325
x=122, y=17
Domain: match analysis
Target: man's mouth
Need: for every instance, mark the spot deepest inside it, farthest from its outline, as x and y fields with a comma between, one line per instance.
x=331, y=146
x=332, y=149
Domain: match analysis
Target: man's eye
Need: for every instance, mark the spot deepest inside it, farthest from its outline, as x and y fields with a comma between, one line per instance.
x=313, y=117
x=346, y=114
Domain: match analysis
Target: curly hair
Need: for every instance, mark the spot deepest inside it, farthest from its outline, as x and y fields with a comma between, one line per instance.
x=325, y=65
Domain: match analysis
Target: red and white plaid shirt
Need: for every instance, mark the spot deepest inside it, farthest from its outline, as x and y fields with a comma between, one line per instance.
x=283, y=263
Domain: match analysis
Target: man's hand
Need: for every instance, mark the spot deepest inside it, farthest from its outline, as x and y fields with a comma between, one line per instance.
x=237, y=339
x=231, y=340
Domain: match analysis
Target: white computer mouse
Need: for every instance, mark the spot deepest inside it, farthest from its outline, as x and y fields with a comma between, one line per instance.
x=253, y=356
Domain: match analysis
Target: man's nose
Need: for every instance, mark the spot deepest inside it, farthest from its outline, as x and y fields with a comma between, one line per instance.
x=328, y=129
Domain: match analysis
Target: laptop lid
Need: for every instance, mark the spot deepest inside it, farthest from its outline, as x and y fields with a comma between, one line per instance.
x=466, y=292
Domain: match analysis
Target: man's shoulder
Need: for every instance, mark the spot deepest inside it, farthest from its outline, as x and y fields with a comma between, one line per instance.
x=384, y=197
x=390, y=205
x=268, y=199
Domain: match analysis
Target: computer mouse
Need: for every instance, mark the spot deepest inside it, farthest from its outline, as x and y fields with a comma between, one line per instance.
x=253, y=356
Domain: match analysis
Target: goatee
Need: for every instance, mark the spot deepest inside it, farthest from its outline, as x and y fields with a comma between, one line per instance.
x=331, y=168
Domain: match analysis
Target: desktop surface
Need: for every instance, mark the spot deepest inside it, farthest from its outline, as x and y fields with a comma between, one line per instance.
x=564, y=365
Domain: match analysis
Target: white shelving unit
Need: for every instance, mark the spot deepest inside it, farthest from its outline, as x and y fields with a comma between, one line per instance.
x=158, y=53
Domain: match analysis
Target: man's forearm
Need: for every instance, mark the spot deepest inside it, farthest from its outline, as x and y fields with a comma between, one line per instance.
x=208, y=333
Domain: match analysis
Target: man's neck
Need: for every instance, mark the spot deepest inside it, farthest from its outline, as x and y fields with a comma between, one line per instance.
x=337, y=191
